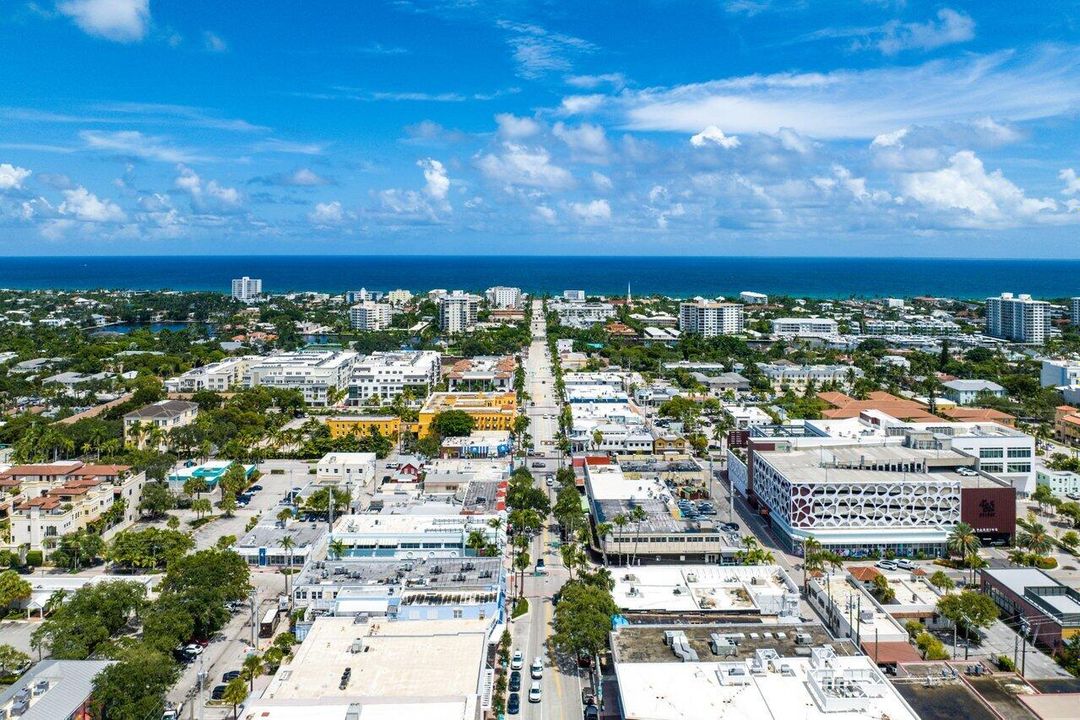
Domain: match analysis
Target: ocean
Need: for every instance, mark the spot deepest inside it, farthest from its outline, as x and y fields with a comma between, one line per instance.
x=825, y=277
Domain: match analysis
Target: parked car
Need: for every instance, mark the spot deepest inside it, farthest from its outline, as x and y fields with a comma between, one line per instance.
x=550, y=481
x=218, y=692
x=534, y=693
x=537, y=669
x=515, y=681
x=255, y=488
x=517, y=661
x=588, y=696
x=731, y=527
x=230, y=675
x=513, y=704
x=905, y=564
x=538, y=464
x=886, y=564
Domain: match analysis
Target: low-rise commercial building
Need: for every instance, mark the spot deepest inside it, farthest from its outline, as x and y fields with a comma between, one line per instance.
x=209, y=472
x=264, y=545
x=362, y=425
x=412, y=536
x=1048, y=609
x=162, y=416
x=383, y=376
x=745, y=591
x=1067, y=424
x=355, y=469
x=1062, y=483
x=315, y=373
x=425, y=669
x=489, y=411
x=53, y=690
x=479, y=444
x=747, y=672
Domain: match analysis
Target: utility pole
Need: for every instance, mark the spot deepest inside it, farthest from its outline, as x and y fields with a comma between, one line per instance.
x=200, y=683
x=1025, y=628
x=254, y=619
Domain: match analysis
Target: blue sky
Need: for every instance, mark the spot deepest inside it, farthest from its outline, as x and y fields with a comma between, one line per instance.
x=745, y=127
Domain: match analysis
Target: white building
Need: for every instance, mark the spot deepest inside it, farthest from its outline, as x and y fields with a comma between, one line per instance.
x=386, y=374
x=782, y=374
x=1074, y=310
x=397, y=298
x=1059, y=373
x=710, y=318
x=754, y=298
x=218, y=376
x=370, y=315
x=794, y=326
x=345, y=468
x=966, y=392
x=412, y=536
x=581, y=314
x=1018, y=318
x=246, y=290
x=313, y=372
x=1062, y=483
x=503, y=297
x=916, y=325
x=457, y=312
x=574, y=295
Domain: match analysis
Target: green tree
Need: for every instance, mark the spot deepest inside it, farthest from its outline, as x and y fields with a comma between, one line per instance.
x=251, y=669
x=336, y=549
x=78, y=549
x=91, y=615
x=376, y=442
x=453, y=423
x=156, y=500
x=12, y=659
x=582, y=619
x=963, y=542
x=227, y=504
x=134, y=688
x=148, y=548
x=969, y=609
x=1036, y=538
x=941, y=580
x=203, y=582
x=167, y=624
x=201, y=507
x=235, y=693
x=13, y=589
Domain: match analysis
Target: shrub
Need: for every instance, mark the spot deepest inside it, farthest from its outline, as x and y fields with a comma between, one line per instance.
x=1046, y=563
x=931, y=647
x=35, y=558
x=913, y=627
x=521, y=606
x=1005, y=663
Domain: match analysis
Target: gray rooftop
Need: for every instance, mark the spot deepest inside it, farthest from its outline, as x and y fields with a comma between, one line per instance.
x=69, y=685
x=163, y=409
x=437, y=573
x=660, y=517
x=302, y=533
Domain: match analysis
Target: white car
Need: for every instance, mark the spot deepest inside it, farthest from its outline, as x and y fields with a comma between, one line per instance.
x=537, y=669
x=905, y=564
x=886, y=564
x=534, y=693
x=517, y=661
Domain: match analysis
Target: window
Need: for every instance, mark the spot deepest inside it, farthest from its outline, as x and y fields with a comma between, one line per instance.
x=991, y=453
x=1020, y=452
x=991, y=467
x=1019, y=467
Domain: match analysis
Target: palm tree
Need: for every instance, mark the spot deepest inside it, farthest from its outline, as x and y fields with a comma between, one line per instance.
x=521, y=563
x=234, y=695
x=521, y=544
x=637, y=516
x=1037, y=539
x=813, y=559
x=202, y=506
x=251, y=669
x=476, y=541
x=337, y=548
x=964, y=542
x=287, y=545
x=602, y=531
x=621, y=521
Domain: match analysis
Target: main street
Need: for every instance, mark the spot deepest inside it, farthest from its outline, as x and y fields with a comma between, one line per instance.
x=561, y=683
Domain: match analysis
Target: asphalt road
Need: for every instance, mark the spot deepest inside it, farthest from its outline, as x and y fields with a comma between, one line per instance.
x=561, y=683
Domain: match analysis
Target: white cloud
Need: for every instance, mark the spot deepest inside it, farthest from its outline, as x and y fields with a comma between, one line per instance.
x=132, y=143
x=84, y=205
x=305, y=177
x=118, y=20
x=512, y=127
x=528, y=167
x=1010, y=86
x=207, y=195
x=581, y=104
x=585, y=141
x=1068, y=175
x=11, y=176
x=214, y=43
x=437, y=183
x=977, y=198
x=951, y=27
x=330, y=213
x=546, y=214
x=538, y=51
x=274, y=145
x=617, y=81
x=601, y=181
x=793, y=141
x=591, y=212
x=713, y=135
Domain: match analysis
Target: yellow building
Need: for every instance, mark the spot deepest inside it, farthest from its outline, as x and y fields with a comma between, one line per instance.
x=1067, y=425
x=360, y=425
x=489, y=411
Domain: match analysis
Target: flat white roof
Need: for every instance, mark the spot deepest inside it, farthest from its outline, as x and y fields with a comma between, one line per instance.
x=695, y=691
x=607, y=482
x=404, y=660
x=701, y=588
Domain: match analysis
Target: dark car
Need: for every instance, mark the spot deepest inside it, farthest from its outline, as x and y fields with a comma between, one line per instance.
x=515, y=681
x=218, y=692
x=231, y=675
x=588, y=696
x=255, y=488
x=513, y=704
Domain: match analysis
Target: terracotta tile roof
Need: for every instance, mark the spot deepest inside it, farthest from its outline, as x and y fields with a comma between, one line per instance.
x=974, y=414
x=102, y=470
x=864, y=573
x=890, y=653
x=41, y=469
x=897, y=407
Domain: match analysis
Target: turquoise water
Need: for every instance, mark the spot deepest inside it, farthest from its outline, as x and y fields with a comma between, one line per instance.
x=676, y=276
